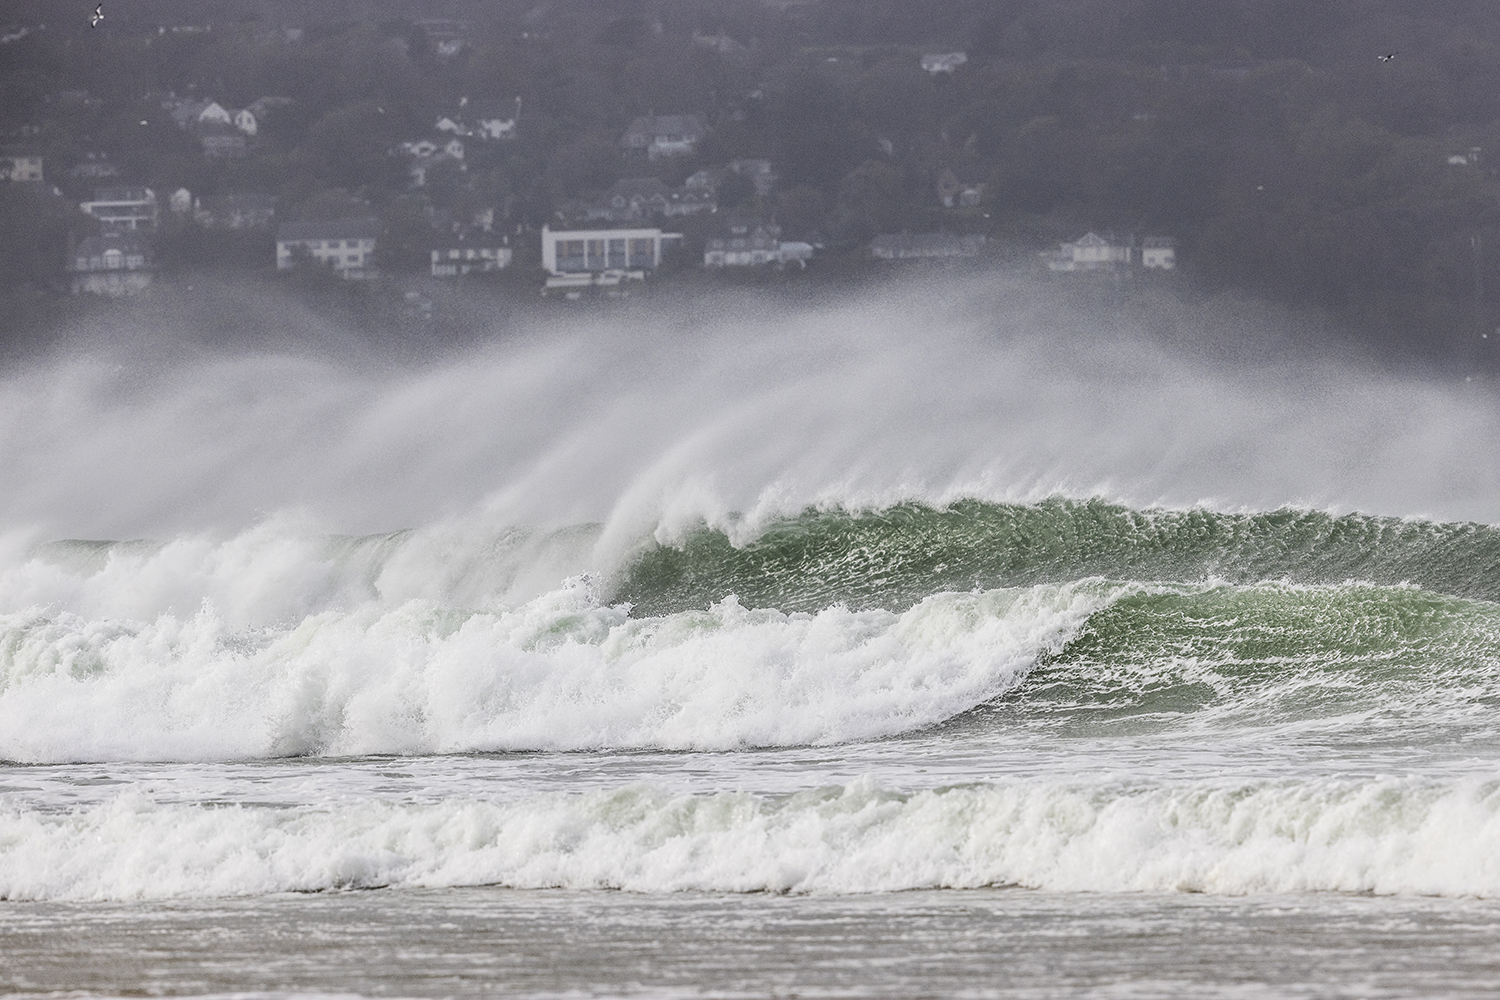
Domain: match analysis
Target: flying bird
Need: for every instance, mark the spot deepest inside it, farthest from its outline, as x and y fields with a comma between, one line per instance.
x=97, y=16
x=1387, y=57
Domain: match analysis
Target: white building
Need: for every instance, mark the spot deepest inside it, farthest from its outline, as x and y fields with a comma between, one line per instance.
x=20, y=167
x=346, y=245
x=112, y=264
x=123, y=208
x=1159, y=252
x=460, y=256
x=586, y=251
x=664, y=135
x=1090, y=252
x=744, y=244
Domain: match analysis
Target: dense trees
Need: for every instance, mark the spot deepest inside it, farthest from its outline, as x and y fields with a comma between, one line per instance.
x=1264, y=134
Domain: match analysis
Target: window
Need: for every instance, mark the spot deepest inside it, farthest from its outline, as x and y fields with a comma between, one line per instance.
x=642, y=253
x=616, y=256
x=571, y=255
x=596, y=254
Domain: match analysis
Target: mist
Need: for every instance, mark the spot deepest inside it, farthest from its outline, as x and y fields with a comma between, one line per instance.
x=729, y=410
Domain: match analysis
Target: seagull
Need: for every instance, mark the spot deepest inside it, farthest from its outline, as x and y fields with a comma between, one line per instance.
x=1387, y=57
x=97, y=16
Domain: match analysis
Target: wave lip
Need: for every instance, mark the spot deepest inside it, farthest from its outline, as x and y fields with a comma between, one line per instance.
x=1385, y=836
x=561, y=672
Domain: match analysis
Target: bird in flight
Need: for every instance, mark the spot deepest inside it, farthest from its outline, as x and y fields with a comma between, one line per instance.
x=97, y=16
x=1387, y=57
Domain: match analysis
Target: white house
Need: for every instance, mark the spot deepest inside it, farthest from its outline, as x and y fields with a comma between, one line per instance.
x=346, y=245
x=664, y=135
x=20, y=167
x=123, y=208
x=1159, y=252
x=1090, y=252
x=461, y=255
x=743, y=243
x=111, y=264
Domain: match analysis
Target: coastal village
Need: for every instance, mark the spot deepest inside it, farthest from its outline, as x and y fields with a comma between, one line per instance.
x=379, y=155
x=603, y=243
x=667, y=207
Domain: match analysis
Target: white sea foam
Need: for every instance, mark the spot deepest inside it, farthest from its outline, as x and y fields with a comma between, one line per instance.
x=560, y=672
x=1381, y=836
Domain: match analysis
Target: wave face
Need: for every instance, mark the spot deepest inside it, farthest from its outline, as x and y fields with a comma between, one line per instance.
x=828, y=627
x=896, y=556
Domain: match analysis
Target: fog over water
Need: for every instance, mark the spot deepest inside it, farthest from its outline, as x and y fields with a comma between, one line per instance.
x=706, y=409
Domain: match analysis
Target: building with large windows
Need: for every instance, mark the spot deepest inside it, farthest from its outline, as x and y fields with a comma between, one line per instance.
x=582, y=251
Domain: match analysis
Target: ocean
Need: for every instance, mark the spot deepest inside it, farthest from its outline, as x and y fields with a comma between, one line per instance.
x=790, y=656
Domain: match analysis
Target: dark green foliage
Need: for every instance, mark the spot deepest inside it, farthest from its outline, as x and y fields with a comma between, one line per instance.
x=1264, y=134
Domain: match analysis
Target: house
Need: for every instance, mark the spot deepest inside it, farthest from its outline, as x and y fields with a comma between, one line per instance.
x=17, y=165
x=744, y=243
x=664, y=135
x=638, y=199
x=346, y=245
x=123, y=208
x=93, y=167
x=1090, y=252
x=960, y=186
x=235, y=211
x=111, y=264
x=570, y=251
x=426, y=154
x=467, y=252
x=222, y=141
x=925, y=246
x=943, y=62
x=795, y=251
x=635, y=198
x=1158, y=252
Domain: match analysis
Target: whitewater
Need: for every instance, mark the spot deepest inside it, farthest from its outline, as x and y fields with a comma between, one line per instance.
x=950, y=613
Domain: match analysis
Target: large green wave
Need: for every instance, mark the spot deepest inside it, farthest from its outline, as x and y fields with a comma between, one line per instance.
x=894, y=557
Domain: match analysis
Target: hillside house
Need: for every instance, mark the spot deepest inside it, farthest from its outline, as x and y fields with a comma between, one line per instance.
x=94, y=167
x=744, y=243
x=664, y=135
x=470, y=253
x=235, y=211
x=223, y=142
x=123, y=209
x=346, y=245
x=1090, y=252
x=1158, y=253
x=16, y=165
x=111, y=264
x=960, y=186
